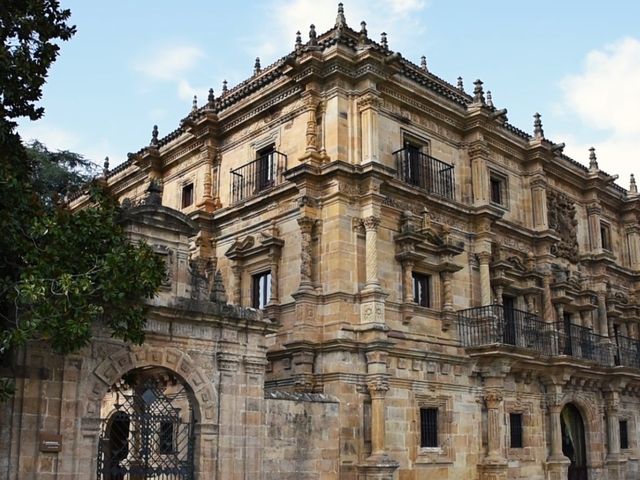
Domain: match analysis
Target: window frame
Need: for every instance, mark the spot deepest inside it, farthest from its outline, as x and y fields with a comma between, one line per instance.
x=258, y=300
x=429, y=437
x=266, y=167
x=516, y=438
x=443, y=453
x=187, y=202
x=501, y=180
x=425, y=281
x=605, y=236
x=625, y=422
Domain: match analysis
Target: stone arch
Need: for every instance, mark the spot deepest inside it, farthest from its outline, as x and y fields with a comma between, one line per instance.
x=116, y=365
x=592, y=419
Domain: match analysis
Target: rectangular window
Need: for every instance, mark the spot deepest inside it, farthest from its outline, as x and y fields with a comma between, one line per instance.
x=422, y=289
x=187, y=195
x=605, y=236
x=265, y=168
x=515, y=428
x=165, y=441
x=261, y=290
x=428, y=427
x=624, y=434
x=498, y=187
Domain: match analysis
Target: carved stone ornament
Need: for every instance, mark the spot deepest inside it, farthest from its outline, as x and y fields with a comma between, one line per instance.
x=493, y=398
x=562, y=218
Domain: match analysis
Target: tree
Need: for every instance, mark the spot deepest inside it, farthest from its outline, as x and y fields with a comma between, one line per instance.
x=60, y=271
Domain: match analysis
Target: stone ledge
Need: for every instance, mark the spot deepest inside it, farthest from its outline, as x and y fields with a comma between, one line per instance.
x=301, y=397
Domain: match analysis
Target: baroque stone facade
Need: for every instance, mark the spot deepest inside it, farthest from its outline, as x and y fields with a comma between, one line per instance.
x=437, y=293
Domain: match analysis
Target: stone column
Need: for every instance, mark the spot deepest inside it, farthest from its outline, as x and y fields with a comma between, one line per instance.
x=633, y=243
x=603, y=321
x=556, y=432
x=447, y=291
x=236, y=288
x=378, y=388
x=371, y=227
x=493, y=400
x=539, y=203
x=274, y=258
x=407, y=275
x=547, y=305
x=593, y=215
x=485, y=278
x=612, y=405
x=306, y=228
x=478, y=152
x=368, y=105
x=229, y=459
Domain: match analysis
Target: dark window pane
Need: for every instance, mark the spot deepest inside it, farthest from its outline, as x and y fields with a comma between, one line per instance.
x=515, y=424
x=624, y=434
x=428, y=427
x=605, y=237
x=187, y=195
x=422, y=289
x=261, y=290
x=265, y=168
x=496, y=190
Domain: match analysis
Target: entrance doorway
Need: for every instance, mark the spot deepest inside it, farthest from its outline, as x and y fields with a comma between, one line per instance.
x=573, y=442
x=148, y=427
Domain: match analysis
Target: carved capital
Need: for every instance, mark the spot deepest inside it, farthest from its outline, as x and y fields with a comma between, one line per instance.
x=371, y=223
x=493, y=398
x=228, y=362
x=484, y=258
x=378, y=387
x=368, y=101
x=306, y=224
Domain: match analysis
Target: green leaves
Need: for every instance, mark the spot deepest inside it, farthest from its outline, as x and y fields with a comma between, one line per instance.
x=82, y=269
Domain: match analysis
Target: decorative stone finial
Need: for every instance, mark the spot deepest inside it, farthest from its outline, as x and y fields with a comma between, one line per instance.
x=383, y=41
x=341, y=21
x=225, y=89
x=489, y=99
x=633, y=188
x=256, y=66
x=218, y=293
x=478, y=93
x=363, y=29
x=538, y=132
x=593, y=160
x=194, y=104
x=154, y=136
x=423, y=63
x=105, y=166
x=460, y=84
x=298, y=40
x=211, y=98
x=313, y=38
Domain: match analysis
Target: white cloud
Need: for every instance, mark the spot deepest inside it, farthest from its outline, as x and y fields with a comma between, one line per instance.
x=605, y=97
x=170, y=63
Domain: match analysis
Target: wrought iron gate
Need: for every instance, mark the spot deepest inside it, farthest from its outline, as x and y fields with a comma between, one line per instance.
x=148, y=436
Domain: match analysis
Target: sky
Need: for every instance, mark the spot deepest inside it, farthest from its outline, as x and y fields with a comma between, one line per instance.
x=133, y=64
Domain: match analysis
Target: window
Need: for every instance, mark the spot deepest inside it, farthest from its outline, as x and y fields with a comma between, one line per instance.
x=261, y=290
x=415, y=168
x=187, y=195
x=498, y=189
x=605, y=236
x=165, y=441
x=428, y=427
x=422, y=289
x=265, y=168
x=515, y=429
x=624, y=434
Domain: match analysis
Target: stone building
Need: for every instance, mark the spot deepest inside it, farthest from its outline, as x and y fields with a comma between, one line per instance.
x=371, y=274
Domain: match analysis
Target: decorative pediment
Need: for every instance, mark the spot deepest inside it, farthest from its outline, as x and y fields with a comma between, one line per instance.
x=265, y=242
x=426, y=244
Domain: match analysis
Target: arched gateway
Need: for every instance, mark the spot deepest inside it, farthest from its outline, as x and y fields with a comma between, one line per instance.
x=574, y=442
x=147, y=428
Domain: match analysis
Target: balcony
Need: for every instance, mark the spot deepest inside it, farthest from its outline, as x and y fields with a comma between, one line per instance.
x=425, y=172
x=627, y=352
x=494, y=325
x=257, y=176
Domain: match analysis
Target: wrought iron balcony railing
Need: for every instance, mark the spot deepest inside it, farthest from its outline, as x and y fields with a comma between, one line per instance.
x=425, y=172
x=494, y=324
x=627, y=352
x=580, y=342
x=257, y=176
